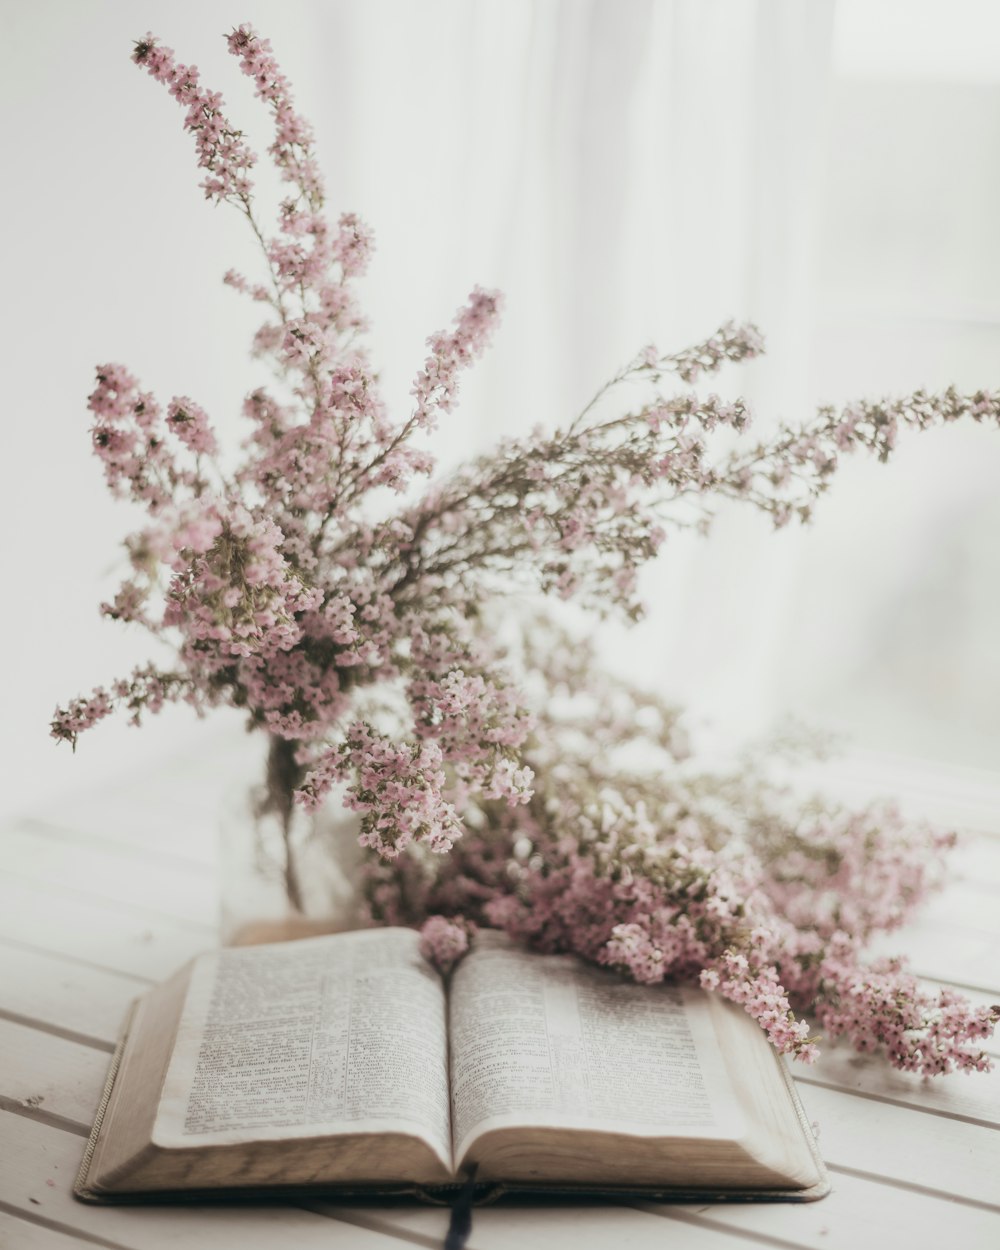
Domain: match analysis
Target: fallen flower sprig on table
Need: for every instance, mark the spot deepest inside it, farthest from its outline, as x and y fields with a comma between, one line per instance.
x=671, y=872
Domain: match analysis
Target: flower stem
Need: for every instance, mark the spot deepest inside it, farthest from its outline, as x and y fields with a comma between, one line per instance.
x=284, y=775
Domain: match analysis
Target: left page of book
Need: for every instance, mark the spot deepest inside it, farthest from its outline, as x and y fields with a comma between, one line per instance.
x=335, y=1035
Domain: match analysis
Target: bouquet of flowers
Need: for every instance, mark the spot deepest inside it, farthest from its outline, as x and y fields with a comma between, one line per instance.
x=312, y=581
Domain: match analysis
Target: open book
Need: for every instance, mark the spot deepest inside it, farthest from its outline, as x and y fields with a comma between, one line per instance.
x=348, y=1063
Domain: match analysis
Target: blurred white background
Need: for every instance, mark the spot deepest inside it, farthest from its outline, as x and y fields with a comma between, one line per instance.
x=625, y=172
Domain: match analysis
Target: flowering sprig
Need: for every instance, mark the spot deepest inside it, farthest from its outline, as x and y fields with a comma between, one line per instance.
x=146, y=691
x=292, y=149
x=221, y=151
x=786, y=475
x=578, y=511
x=396, y=786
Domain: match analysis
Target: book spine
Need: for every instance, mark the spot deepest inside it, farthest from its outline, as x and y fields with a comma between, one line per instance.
x=81, y=1189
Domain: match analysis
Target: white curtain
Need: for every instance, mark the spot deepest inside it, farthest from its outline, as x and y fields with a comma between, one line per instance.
x=625, y=172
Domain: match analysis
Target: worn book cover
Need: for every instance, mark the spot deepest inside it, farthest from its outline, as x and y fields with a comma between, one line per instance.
x=347, y=1065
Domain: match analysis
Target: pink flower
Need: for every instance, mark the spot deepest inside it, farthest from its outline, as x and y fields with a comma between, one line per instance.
x=436, y=387
x=444, y=941
x=398, y=788
x=221, y=150
x=190, y=423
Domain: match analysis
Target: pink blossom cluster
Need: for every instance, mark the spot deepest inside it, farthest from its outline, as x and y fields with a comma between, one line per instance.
x=280, y=596
x=128, y=439
x=190, y=423
x=579, y=511
x=444, y=940
x=463, y=702
x=731, y=342
x=147, y=690
x=758, y=990
x=785, y=476
x=398, y=788
x=291, y=584
x=436, y=387
x=658, y=909
x=221, y=150
x=292, y=147
x=882, y=1006
x=233, y=594
x=856, y=872
x=353, y=245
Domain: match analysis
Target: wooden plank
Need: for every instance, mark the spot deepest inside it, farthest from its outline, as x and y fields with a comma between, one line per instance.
x=149, y=946
x=975, y=861
x=948, y=1156
x=969, y=904
x=185, y=831
x=924, y=789
x=35, y=1154
x=175, y=806
x=860, y=1214
x=553, y=1223
x=179, y=893
x=65, y=997
x=21, y=1234
x=972, y=1097
x=149, y=846
x=51, y=1075
x=944, y=952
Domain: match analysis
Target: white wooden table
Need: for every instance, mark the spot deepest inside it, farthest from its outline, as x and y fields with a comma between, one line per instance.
x=105, y=895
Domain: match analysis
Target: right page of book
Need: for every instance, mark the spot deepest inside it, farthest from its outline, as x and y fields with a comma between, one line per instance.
x=548, y=1041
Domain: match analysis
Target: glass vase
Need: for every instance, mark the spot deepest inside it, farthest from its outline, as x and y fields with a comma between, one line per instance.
x=284, y=880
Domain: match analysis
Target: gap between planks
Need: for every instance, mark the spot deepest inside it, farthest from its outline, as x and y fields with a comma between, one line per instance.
x=80, y=961
x=913, y=1187
x=73, y=890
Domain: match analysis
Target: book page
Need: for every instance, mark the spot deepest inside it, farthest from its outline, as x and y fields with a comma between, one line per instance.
x=339, y=1034
x=548, y=1041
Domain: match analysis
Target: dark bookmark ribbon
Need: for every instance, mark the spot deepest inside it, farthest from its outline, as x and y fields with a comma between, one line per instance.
x=460, y=1224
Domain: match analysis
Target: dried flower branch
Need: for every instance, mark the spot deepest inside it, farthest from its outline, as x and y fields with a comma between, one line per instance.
x=290, y=584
